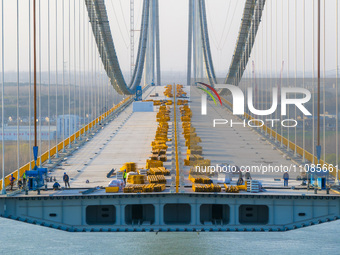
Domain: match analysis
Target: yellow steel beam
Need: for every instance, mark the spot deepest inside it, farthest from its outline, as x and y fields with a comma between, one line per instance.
x=176, y=142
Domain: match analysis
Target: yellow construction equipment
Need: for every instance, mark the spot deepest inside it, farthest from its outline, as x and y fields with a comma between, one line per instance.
x=156, y=179
x=129, y=167
x=155, y=171
x=168, y=91
x=136, y=179
x=164, y=170
x=231, y=189
x=153, y=163
x=200, y=179
x=139, y=188
x=111, y=189
x=133, y=188
x=197, y=151
x=206, y=188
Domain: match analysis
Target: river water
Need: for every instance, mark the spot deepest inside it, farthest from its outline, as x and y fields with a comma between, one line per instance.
x=22, y=238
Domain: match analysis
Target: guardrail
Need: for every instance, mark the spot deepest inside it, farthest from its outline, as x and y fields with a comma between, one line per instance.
x=308, y=156
x=45, y=156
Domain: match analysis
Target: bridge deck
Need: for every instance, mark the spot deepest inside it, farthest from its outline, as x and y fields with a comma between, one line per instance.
x=127, y=139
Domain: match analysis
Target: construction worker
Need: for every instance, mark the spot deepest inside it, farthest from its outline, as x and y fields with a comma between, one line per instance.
x=239, y=181
x=19, y=184
x=124, y=176
x=248, y=176
x=24, y=180
x=11, y=181
x=66, y=179
x=56, y=186
x=285, y=179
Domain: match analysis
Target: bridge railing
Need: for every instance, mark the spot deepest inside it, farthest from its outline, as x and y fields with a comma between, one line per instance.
x=49, y=153
x=308, y=156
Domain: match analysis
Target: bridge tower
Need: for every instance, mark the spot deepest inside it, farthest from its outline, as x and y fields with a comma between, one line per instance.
x=152, y=63
x=195, y=52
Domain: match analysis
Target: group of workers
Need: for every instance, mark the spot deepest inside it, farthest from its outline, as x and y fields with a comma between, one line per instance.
x=66, y=180
x=240, y=180
x=22, y=183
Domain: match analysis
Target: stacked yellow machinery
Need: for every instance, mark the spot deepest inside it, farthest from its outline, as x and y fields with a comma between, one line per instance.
x=154, y=187
x=155, y=163
x=231, y=189
x=156, y=179
x=129, y=167
x=158, y=171
x=139, y=188
x=137, y=182
x=168, y=91
x=182, y=102
x=201, y=182
x=159, y=102
x=135, y=178
x=198, y=178
x=206, y=187
x=194, y=152
x=159, y=146
x=180, y=92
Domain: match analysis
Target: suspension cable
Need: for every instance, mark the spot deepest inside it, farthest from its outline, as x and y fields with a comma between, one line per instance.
x=281, y=74
x=313, y=77
x=30, y=82
x=18, y=116
x=303, y=77
x=80, y=65
x=288, y=111
x=3, y=97
x=337, y=98
x=40, y=119
x=49, y=80
x=56, y=78
x=295, y=77
x=114, y=71
x=324, y=80
x=276, y=59
x=85, y=81
x=63, y=76
x=69, y=73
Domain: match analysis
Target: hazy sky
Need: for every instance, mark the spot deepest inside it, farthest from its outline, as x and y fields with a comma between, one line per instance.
x=224, y=17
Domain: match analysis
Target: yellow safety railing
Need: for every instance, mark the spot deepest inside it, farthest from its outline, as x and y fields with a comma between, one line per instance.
x=19, y=172
x=309, y=156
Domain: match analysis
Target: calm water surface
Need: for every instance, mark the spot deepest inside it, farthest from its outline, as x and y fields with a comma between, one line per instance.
x=21, y=238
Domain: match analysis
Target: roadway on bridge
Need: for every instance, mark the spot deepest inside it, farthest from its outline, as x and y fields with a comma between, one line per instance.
x=238, y=145
x=127, y=138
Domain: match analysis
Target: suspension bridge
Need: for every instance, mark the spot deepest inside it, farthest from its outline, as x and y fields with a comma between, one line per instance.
x=190, y=161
